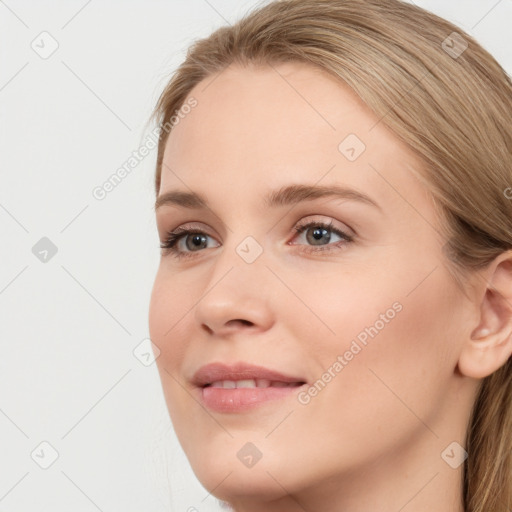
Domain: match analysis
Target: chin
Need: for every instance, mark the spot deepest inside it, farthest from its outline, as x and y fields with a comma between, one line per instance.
x=225, y=476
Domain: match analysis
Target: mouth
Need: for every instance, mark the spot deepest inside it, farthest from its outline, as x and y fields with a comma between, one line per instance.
x=252, y=383
x=242, y=387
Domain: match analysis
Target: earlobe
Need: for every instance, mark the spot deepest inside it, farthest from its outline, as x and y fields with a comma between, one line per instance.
x=489, y=345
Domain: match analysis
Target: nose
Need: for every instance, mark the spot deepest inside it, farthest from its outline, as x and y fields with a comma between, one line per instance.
x=236, y=301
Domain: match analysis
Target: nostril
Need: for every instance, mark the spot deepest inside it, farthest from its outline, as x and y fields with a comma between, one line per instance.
x=240, y=320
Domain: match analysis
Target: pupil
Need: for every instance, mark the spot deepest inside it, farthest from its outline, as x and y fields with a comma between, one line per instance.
x=318, y=233
x=197, y=240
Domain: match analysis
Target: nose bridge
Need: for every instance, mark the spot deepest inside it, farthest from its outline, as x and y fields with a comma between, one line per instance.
x=242, y=261
x=235, y=290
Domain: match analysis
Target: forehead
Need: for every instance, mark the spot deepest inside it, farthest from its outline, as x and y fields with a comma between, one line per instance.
x=256, y=128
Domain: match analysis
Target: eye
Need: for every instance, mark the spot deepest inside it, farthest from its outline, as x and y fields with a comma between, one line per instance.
x=184, y=241
x=193, y=239
x=319, y=234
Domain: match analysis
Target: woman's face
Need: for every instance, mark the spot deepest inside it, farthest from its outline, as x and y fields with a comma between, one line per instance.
x=368, y=326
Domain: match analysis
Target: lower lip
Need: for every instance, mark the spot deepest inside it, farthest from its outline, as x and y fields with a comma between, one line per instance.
x=243, y=399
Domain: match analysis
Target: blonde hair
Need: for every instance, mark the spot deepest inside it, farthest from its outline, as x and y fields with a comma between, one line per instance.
x=450, y=103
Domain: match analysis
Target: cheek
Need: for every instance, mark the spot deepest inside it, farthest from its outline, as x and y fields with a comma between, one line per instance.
x=399, y=352
x=168, y=314
x=397, y=342
x=336, y=311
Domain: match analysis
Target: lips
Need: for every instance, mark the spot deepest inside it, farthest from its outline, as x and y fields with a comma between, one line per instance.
x=242, y=375
x=242, y=387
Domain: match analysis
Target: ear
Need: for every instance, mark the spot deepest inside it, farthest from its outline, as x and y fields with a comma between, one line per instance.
x=490, y=343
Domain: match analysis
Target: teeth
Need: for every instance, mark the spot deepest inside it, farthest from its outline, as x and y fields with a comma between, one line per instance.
x=224, y=384
x=248, y=383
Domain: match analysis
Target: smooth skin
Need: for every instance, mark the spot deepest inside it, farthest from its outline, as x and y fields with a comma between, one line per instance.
x=373, y=437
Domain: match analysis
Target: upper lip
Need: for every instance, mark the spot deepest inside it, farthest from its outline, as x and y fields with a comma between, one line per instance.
x=215, y=372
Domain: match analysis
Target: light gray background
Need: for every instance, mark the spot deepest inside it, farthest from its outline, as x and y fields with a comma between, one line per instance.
x=68, y=374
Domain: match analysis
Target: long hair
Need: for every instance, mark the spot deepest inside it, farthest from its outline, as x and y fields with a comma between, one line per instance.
x=450, y=101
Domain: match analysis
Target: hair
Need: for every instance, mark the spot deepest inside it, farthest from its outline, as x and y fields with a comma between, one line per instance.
x=452, y=108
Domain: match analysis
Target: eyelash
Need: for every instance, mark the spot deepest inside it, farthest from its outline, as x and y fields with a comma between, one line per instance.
x=173, y=237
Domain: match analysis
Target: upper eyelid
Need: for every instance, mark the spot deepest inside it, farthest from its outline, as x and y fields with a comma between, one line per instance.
x=182, y=229
x=326, y=220
x=304, y=209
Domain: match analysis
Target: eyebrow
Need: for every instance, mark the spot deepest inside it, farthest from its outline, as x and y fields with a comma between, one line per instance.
x=287, y=195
